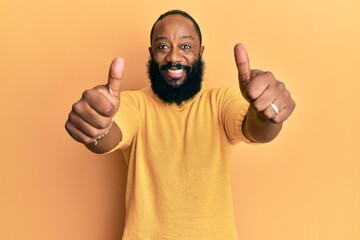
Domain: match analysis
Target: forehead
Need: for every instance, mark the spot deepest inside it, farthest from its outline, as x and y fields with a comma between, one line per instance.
x=174, y=26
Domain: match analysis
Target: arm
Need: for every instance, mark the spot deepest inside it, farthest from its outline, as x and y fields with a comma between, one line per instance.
x=270, y=102
x=92, y=116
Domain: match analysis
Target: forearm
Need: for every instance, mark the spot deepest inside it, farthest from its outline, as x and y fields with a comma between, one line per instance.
x=258, y=129
x=108, y=142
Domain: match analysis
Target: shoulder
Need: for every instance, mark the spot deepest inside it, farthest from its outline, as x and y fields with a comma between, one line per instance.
x=223, y=93
x=135, y=93
x=136, y=96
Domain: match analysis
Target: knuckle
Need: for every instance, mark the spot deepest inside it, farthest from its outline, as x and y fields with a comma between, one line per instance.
x=278, y=119
x=87, y=131
x=108, y=110
x=280, y=85
x=87, y=94
x=286, y=94
x=250, y=95
x=104, y=123
x=257, y=106
x=71, y=130
x=268, y=114
x=76, y=107
x=67, y=126
x=92, y=133
x=269, y=74
x=71, y=117
x=283, y=118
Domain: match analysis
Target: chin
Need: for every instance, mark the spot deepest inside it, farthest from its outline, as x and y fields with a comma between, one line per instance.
x=176, y=83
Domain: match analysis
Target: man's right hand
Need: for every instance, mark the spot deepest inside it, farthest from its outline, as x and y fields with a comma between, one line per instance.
x=93, y=114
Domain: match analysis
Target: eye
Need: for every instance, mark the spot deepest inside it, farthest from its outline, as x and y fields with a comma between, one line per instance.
x=163, y=47
x=185, y=46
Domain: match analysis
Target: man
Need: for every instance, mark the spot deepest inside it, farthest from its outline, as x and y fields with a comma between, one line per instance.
x=177, y=136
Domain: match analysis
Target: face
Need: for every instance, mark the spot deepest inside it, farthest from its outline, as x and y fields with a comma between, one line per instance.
x=175, y=48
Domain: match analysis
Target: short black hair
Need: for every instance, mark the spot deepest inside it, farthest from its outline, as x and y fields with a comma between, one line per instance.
x=182, y=13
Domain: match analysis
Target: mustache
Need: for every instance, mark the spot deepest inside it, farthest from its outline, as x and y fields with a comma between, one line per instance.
x=174, y=65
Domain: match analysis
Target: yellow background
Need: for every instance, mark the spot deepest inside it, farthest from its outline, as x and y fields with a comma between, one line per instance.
x=305, y=185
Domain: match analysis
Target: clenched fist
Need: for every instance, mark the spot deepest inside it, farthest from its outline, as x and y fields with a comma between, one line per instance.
x=92, y=115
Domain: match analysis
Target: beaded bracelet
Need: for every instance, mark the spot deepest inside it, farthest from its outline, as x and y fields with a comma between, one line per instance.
x=100, y=137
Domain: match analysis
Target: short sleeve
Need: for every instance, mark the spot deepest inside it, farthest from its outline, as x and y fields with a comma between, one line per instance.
x=233, y=111
x=128, y=119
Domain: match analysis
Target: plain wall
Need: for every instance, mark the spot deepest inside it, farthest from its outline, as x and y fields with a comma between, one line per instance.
x=305, y=185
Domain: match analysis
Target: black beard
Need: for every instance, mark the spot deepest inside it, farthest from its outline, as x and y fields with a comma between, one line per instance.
x=170, y=94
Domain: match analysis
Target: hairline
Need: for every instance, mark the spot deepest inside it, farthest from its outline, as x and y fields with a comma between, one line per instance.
x=181, y=13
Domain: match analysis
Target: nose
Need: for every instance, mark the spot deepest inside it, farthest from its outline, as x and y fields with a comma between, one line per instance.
x=174, y=56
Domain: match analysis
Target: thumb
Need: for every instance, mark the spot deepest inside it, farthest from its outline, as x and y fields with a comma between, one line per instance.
x=115, y=76
x=243, y=65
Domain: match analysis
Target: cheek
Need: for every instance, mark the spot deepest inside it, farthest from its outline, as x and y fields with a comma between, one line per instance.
x=192, y=55
x=159, y=58
x=190, y=60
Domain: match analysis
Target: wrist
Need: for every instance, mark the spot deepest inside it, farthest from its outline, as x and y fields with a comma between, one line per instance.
x=106, y=141
x=96, y=140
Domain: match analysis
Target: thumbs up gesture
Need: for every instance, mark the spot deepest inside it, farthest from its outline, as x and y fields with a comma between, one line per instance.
x=266, y=95
x=92, y=116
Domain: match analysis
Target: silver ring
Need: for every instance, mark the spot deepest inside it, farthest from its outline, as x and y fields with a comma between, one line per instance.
x=276, y=109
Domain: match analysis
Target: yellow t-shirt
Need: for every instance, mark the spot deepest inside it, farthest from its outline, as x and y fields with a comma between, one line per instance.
x=178, y=184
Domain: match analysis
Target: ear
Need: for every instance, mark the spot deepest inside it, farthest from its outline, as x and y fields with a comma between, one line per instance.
x=202, y=48
x=150, y=51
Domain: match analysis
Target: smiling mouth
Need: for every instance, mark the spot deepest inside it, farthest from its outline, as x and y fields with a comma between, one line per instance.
x=175, y=73
x=174, y=77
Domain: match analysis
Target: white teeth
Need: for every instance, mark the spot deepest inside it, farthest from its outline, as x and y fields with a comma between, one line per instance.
x=177, y=71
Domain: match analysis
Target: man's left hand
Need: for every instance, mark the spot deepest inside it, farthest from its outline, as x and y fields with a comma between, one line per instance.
x=266, y=95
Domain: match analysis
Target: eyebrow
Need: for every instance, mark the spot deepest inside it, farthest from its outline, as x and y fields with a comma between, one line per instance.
x=163, y=37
